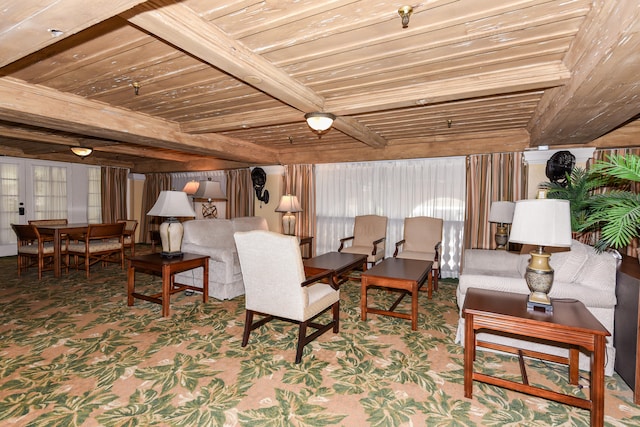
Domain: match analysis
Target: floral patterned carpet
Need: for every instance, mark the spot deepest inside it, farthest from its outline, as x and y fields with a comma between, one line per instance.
x=72, y=353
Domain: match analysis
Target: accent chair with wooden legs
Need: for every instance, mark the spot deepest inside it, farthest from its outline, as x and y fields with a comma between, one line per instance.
x=33, y=249
x=276, y=287
x=369, y=235
x=422, y=240
x=102, y=243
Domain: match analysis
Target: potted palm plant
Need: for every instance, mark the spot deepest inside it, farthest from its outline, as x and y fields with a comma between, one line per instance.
x=616, y=212
x=578, y=188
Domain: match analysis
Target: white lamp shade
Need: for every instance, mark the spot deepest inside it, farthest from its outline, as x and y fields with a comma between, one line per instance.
x=501, y=212
x=172, y=204
x=288, y=203
x=191, y=187
x=211, y=190
x=542, y=222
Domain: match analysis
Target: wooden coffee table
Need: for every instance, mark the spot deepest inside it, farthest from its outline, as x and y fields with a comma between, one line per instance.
x=405, y=275
x=167, y=268
x=570, y=325
x=338, y=262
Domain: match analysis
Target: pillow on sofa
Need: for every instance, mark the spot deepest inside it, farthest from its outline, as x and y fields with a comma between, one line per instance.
x=567, y=265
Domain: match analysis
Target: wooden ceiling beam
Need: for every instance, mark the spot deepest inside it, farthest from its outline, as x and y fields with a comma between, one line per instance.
x=32, y=29
x=44, y=107
x=461, y=144
x=562, y=117
x=179, y=25
x=482, y=84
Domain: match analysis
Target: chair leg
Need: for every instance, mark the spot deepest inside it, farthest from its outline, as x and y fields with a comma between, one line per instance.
x=435, y=273
x=336, y=317
x=247, y=327
x=302, y=341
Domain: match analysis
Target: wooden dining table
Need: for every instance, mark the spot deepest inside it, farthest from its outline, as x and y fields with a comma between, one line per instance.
x=58, y=231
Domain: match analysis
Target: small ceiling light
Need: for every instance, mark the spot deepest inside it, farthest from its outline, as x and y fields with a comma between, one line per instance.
x=55, y=33
x=136, y=87
x=449, y=123
x=320, y=122
x=82, y=151
x=405, y=12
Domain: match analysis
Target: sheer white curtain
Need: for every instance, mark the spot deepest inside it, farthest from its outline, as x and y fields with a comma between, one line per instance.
x=395, y=189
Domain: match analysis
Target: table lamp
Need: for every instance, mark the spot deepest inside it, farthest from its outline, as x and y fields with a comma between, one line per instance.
x=172, y=204
x=501, y=213
x=191, y=187
x=210, y=190
x=288, y=204
x=541, y=222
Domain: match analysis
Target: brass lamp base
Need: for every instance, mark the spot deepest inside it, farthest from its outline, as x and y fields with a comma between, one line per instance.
x=501, y=237
x=539, y=278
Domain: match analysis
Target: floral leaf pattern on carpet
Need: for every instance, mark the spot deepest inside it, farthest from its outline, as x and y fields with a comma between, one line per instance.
x=72, y=353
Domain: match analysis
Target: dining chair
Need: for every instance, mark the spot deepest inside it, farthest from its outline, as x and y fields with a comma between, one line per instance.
x=369, y=235
x=276, y=286
x=130, y=226
x=33, y=249
x=422, y=240
x=102, y=243
x=37, y=222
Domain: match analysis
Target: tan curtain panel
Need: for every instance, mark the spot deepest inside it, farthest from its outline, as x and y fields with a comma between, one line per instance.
x=491, y=177
x=239, y=193
x=154, y=183
x=299, y=181
x=114, y=193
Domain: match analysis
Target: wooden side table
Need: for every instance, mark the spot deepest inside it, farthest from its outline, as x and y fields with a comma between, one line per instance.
x=626, y=339
x=571, y=325
x=167, y=268
x=404, y=275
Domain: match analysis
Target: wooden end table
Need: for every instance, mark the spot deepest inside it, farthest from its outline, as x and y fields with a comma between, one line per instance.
x=167, y=268
x=407, y=275
x=570, y=325
x=338, y=262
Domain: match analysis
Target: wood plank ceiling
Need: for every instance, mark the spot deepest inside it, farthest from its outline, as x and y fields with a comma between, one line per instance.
x=225, y=84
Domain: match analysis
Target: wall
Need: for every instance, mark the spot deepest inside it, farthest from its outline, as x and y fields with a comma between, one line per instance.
x=537, y=161
x=275, y=186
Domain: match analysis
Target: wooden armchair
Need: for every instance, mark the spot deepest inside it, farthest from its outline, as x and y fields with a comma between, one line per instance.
x=130, y=226
x=276, y=287
x=422, y=240
x=33, y=249
x=369, y=235
x=101, y=243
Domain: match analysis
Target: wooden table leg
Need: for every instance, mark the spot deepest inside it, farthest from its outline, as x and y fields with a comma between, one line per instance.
x=597, y=382
x=430, y=284
x=414, y=306
x=205, y=281
x=469, y=354
x=363, y=298
x=166, y=290
x=56, y=254
x=131, y=280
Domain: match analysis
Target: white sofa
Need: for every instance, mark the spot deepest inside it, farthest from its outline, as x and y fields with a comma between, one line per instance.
x=580, y=274
x=214, y=237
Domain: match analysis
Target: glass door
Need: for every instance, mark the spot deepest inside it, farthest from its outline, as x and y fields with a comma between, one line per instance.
x=12, y=202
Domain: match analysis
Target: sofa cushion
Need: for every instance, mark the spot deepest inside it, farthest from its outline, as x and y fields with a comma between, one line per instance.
x=567, y=265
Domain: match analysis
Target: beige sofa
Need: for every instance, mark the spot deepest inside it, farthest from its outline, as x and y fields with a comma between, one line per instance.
x=580, y=274
x=214, y=237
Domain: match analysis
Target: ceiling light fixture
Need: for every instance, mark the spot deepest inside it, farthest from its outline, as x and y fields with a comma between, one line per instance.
x=82, y=151
x=136, y=87
x=319, y=122
x=405, y=13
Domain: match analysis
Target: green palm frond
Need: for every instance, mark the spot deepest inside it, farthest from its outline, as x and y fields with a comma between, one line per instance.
x=619, y=166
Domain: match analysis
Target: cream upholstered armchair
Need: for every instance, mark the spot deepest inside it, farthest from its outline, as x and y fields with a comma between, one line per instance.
x=369, y=235
x=276, y=287
x=422, y=240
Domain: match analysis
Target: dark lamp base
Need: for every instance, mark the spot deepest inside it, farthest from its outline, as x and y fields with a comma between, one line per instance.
x=171, y=254
x=539, y=307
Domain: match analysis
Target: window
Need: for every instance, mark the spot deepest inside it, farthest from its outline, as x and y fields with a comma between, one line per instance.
x=94, y=203
x=49, y=192
x=8, y=201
